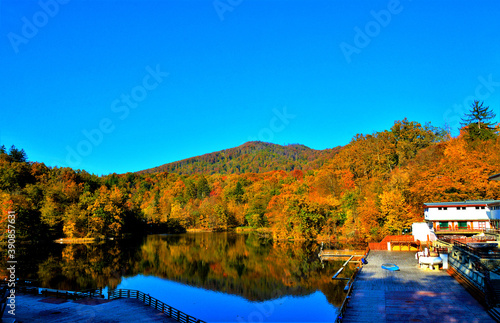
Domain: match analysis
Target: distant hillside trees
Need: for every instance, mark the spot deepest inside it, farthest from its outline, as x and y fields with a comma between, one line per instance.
x=374, y=186
x=251, y=157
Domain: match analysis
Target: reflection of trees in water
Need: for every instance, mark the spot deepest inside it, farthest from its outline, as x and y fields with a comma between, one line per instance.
x=240, y=264
x=28, y=258
x=245, y=265
x=77, y=266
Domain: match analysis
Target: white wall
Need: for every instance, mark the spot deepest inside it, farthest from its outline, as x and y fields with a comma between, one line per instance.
x=452, y=214
x=420, y=231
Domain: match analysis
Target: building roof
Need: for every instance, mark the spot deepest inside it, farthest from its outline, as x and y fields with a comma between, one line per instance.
x=495, y=177
x=463, y=203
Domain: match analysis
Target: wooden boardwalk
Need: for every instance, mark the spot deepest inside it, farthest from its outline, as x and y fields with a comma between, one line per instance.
x=31, y=308
x=409, y=295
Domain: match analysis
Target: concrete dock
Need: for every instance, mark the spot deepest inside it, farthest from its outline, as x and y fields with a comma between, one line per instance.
x=31, y=308
x=409, y=295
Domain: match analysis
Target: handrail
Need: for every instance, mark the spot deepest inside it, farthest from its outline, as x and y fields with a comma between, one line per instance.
x=71, y=294
x=490, y=296
x=30, y=288
x=464, y=239
x=478, y=253
x=350, y=283
x=168, y=310
x=491, y=300
x=494, y=231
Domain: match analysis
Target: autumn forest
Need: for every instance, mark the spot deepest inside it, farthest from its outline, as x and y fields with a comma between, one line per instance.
x=373, y=186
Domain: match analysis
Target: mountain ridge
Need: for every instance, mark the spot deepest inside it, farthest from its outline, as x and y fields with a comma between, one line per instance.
x=250, y=157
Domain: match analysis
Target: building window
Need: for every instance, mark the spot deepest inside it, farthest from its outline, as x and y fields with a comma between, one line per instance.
x=482, y=207
x=463, y=208
x=458, y=207
x=440, y=208
x=462, y=225
x=481, y=225
x=443, y=225
x=445, y=208
x=477, y=207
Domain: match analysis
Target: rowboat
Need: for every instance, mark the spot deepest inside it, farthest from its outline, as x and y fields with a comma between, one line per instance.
x=391, y=267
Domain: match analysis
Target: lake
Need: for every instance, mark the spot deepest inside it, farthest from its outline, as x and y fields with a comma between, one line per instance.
x=217, y=277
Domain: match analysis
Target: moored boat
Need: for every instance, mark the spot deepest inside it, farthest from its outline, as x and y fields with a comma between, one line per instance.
x=391, y=267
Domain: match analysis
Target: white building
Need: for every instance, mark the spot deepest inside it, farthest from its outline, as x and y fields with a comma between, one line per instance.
x=467, y=216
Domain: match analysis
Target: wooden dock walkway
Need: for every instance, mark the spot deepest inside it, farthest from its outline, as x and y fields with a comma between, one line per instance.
x=409, y=295
x=353, y=255
x=38, y=309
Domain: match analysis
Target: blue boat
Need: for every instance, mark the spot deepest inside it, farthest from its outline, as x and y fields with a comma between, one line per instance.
x=391, y=267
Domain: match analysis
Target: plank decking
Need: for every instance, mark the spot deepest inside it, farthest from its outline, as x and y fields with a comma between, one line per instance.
x=40, y=309
x=409, y=295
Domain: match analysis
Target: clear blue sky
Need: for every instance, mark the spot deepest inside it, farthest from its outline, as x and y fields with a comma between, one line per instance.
x=117, y=86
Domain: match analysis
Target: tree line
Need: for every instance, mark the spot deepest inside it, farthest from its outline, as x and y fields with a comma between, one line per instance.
x=373, y=186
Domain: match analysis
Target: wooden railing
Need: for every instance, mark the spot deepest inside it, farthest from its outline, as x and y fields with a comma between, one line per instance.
x=350, y=286
x=469, y=271
x=465, y=239
x=30, y=287
x=480, y=253
x=401, y=240
x=492, y=231
x=489, y=291
x=71, y=294
x=466, y=230
x=168, y=310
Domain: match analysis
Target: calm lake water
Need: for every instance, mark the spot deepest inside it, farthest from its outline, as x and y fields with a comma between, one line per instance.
x=217, y=277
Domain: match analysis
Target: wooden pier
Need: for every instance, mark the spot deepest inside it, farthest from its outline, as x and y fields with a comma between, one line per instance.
x=338, y=254
x=409, y=295
x=166, y=309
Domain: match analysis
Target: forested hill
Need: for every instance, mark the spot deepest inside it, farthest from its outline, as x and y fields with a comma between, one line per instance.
x=251, y=157
x=374, y=186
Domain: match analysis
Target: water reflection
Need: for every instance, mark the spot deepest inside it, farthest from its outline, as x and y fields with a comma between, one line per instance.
x=214, y=306
x=243, y=270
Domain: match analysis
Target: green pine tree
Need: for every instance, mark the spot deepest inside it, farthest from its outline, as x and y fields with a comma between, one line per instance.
x=478, y=123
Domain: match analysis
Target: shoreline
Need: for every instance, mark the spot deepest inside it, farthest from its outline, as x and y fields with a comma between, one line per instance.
x=81, y=240
x=263, y=231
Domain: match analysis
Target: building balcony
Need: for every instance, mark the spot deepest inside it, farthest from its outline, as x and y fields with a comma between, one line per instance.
x=449, y=230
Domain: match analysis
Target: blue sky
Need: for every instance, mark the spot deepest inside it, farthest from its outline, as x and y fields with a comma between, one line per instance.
x=118, y=86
